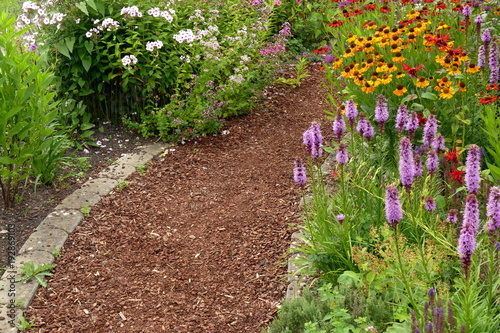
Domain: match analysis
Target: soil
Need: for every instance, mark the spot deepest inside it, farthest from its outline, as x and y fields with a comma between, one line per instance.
x=196, y=243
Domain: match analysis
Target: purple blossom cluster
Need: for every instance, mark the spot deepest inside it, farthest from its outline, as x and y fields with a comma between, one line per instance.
x=493, y=209
x=351, y=112
x=364, y=127
x=313, y=140
x=381, y=112
x=493, y=62
x=472, y=169
x=338, y=127
x=299, y=172
x=406, y=163
x=393, y=210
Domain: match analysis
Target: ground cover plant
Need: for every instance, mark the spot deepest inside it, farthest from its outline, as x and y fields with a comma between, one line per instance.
x=408, y=213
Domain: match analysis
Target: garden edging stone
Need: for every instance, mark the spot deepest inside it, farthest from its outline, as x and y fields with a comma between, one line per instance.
x=43, y=244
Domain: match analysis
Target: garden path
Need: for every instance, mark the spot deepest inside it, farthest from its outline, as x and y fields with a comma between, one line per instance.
x=196, y=243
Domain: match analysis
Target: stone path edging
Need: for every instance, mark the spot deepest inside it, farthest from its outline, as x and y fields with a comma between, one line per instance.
x=50, y=235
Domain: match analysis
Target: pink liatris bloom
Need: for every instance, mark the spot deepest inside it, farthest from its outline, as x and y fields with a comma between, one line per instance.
x=381, y=112
x=432, y=161
x=338, y=127
x=493, y=209
x=466, y=245
x=401, y=118
x=313, y=140
x=406, y=163
x=364, y=127
x=393, y=210
x=299, y=172
x=493, y=62
x=342, y=157
x=351, y=112
x=412, y=124
x=472, y=169
x=430, y=204
x=452, y=216
x=430, y=130
x=471, y=211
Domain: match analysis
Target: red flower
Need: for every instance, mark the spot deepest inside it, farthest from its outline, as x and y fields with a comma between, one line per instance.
x=488, y=99
x=457, y=176
x=321, y=50
x=440, y=5
x=452, y=155
x=385, y=9
x=421, y=119
x=492, y=86
x=335, y=23
x=412, y=71
x=370, y=6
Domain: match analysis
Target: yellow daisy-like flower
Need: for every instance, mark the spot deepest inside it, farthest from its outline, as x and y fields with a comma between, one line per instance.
x=400, y=75
x=358, y=79
x=391, y=68
x=382, y=67
x=351, y=38
x=442, y=26
x=386, y=78
x=368, y=48
x=472, y=68
x=461, y=86
x=444, y=82
x=368, y=88
x=422, y=82
x=337, y=63
x=347, y=72
x=446, y=93
x=383, y=41
x=398, y=57
x=348, y=53
x=454, y=70
x=400, y=90
x=395, y=48
x=412, y=39
x=413, y=14
x=428, y=40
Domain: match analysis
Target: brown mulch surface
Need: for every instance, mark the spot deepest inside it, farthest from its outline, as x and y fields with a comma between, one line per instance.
x=198, y=242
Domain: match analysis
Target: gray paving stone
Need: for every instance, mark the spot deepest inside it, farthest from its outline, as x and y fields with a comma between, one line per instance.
x=156, y=148
x=89, y=194
x=66, y=220
x=125, y=165
x=45, y=239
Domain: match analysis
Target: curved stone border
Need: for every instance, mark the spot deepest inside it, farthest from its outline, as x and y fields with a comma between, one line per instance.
x=50, y=235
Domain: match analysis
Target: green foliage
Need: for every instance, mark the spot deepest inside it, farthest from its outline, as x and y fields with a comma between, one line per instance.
x=122, y=184
x=492, y=130
x=31, y=270
x=24, y=324
x=30, y=144
x=85, y=210
x=300, y=73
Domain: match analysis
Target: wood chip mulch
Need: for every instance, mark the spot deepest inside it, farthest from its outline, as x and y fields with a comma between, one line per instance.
x=198, y=243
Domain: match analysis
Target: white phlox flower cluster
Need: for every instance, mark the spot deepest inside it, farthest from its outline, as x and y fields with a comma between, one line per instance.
x=132, y=11
x=166, y=14
x=185, y=36
x=37, y=15
x=197, y=16
x=185, y=58
x=107, y=24
x=150, y=46
x=129, y=60
x=211, y=44
x=238, y=78
x=244, y=59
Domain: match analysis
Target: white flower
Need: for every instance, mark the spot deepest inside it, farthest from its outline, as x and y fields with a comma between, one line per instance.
x=88, y=34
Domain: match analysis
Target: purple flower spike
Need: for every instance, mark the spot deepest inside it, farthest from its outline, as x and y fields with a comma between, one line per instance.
x=412, y=124
x=493, y=62
x=313, y=140
x=481, y=56
x=466, y=11
x=430, y=130
x=438, y=143
x=486, y=37
x=299, y=172
x=466, y=245
x=342, y=156
x=419, y=169
x=452, y=216
x=341, y=218
x=393, y=210
x=351, y=112
x=406, y=163
x=472, y=169
x=401, y=117
x=430, y=204
x=338, y=128
x=381, y=112
x=364, y=127
x=329, y=58
x=493, y=209
x=471, y=211
x=432, y=161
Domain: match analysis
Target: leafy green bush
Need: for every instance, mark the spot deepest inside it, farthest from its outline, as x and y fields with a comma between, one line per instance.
x=28, y=141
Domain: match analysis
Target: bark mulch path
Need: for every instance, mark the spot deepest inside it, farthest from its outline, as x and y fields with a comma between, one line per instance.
x=197, y=243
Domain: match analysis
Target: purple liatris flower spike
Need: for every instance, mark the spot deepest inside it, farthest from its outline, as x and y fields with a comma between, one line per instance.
x=329, y=58
x=430, y=130
x=472, y=169
x=340, y=218
x=338, y=127
x=471, y=211
x=381, y=112
x=486, y=37
x=364, y=127
x=351, y=112
x=493, y=62
x=299, y=172
x=412, y=124
x=452, y=216
x=481, y=56
x=401, y=117
x=432, y=161
x=342, y=157
x=430, y=204
x=406, y=163
x=419, y=169
x=467, y=11
x=438, y=143
x=313, y=140
x=493, y=209
x=393, y=210
x=466, y=246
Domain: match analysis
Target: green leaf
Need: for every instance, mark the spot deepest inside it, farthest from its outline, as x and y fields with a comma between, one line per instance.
x=7, y=160
x=83, y=7
x=92, y=4
x=429, y=95
x=89, y=45
x=70, y=42
x=63, y=49
x=86, y=62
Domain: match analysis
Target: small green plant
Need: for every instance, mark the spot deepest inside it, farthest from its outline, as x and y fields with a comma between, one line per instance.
x=57, y=252
x=30, y=270
x=24, y=324
x=141, y=168
x=85, y=210
x=122, y=184
x=19, y=303
x=301, y=72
